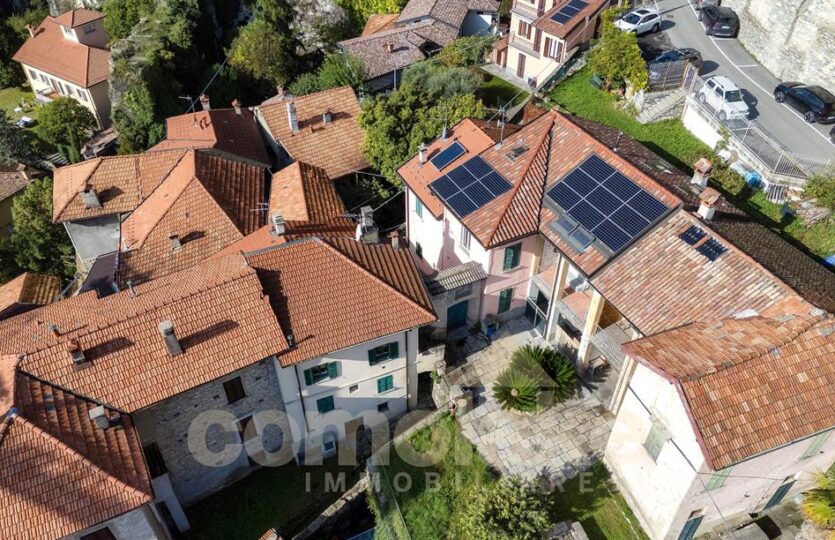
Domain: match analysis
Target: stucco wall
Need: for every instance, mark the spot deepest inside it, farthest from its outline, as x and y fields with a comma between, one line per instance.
x=794, y=39
x=426, y=231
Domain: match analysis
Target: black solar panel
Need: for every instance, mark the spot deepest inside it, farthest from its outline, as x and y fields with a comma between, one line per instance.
x=470, y=186
x=712, y=249
x=560, y=17
x=448, y=155
x=606, y=203
x=568, y=11
x=692, y=235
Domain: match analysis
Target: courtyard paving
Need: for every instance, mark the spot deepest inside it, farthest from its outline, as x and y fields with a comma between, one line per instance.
x=555, y=444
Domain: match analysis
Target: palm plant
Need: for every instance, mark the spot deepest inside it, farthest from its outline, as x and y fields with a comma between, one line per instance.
x=819, y=503
x=516, y=390
x=557, y=377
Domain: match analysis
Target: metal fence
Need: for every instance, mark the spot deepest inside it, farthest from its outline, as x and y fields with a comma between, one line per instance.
x=773, y=156
x=669, y=75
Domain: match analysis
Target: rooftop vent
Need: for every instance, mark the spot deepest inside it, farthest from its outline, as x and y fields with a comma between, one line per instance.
x=291, y=340
x=76, y=352
x=327, y=117
x=516, y=152
x=90, y=198
x=292, y=117
x=278, y=225
x=166, y=328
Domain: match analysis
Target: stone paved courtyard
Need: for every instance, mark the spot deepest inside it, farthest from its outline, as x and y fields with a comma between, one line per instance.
x=557, y=443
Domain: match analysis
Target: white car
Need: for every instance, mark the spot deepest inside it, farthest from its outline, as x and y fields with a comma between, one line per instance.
x=640, y=21
x=724, y=97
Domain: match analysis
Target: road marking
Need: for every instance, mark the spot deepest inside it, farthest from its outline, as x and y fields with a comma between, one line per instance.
x=768, y=92
x=749, y=66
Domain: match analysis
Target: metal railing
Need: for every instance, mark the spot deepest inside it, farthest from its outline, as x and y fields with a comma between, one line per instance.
x=668, y=75
x=773, y=157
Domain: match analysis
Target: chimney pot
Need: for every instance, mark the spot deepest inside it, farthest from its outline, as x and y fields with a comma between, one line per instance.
x=166, y=329
x=55, y=331
x=292, y=118
x=708, y=198
x=279, y=227
x=395, y=239
x=76, y=352
x=700, y=171
x=327, y=117
x=422, y=153
x=445, y=133
x=389, y=46
x=237, y=106
x=99, y=416
x=204, y=101
x=90, y=198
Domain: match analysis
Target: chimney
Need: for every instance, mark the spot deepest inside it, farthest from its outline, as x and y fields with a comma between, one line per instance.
x=237, y=106
x=291, y=341
x=31, y=30
x=54, y=329
x=99, y=416
x=292, y=118
x=422, y=153
x=708, y=199
x=445, y=132
x=280, y=92
x=700, y=171
x=395, y=239
x=76, y=352
x=90, y=198
x=389, y=46
x=166, y=328
x=278, y=225
x=175, y=242
x=327, y=117
x=367, y=232
x=204, y=101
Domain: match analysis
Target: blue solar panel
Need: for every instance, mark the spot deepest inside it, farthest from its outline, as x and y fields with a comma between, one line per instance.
x=712, y=249
x=647, y=205
x=444, y=187
x=470, y=186
x=597, y=168
x=692, y=235
x=461, y=204
x=612, y=235
x=587, y=215
x=629, y=220
x=564, y=196
x=560, y=18
x=621, y=186
x=580, y=182
x=448, y=155
x=568, y=11
x=478, y=167
x=461, y=177
x=602, y=199
x=495, y=183
x=479, y=194
x=580, y=4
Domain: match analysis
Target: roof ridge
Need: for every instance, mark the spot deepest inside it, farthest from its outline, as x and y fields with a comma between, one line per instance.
x=373, y=275
x=518, y=187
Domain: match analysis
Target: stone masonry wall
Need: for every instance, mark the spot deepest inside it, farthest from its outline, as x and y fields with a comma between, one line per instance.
x=168, y=423
x=794, y=39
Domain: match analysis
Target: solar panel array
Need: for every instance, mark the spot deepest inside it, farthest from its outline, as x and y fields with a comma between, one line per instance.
x=569, y=11
x=606, y=203
x=692, y=235
x=470, y=186
x=448, y=155
x=712, y=249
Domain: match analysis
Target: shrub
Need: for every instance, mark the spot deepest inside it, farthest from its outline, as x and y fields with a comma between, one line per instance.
x=516, y=390
x=467, y=51
x=822, y=188
x=560, y=379
x=819, y=503
x=511, y=508
x=617, y=57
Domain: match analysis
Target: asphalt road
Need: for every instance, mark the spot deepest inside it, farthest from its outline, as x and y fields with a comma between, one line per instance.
x=722, y=56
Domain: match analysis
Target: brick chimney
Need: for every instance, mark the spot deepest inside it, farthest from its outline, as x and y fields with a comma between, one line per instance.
x=700, y=171
x=708, y=199
x=204, y=101
x=237, y=106
x=166, y=329
x=292, y=118
x=76, y=352
x=389, y=47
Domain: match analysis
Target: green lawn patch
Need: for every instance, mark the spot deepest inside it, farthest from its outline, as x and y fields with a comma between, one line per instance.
x=592, y=499
x=10, y=98
x=495, y=92
x=287, y=498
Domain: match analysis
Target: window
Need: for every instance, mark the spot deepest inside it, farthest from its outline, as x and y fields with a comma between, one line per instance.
x=525, y=29
x=418, y=250
x=505, y=297
x=325, y=405
x=383, y=407
x=32, y=75
x=512, y=256
x=418, y=208
x=243, y=424
x=234, y=390
x=383, y=353
x=655, y=440
x=815, y=445
x=329, y=447
x=101, y=534
x=692, y=525
x=553, y=48
x=465, y=238
x=82, y=95
x=353, y=388
x=385, y=384
x=156, y=465
x=718, y=479
x=320, y=373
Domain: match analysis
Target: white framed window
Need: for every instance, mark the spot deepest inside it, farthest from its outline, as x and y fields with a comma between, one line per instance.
x=82, y=95
x=465, y=239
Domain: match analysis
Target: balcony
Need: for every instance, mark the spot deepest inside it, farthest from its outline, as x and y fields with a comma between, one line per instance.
x=524, y=45
x=526, y=9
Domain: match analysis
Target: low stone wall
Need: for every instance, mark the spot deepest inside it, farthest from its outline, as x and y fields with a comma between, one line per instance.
x=656, y=106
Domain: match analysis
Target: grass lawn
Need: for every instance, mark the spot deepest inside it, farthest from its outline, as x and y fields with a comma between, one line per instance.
x=495, y=91
x=10, y=99
x=287, y=498
x=671, y=140
x=592, y=500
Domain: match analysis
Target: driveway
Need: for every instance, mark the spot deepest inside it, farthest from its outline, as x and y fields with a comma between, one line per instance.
x=555, y=444
x=727, y=57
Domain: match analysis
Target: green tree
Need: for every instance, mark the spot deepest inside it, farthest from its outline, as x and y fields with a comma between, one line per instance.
x=516, y=390
x=265, y=52
x=137, y=121
x=436, y=81
x=341, y=69
x=617, y=57
x=511, y=509
x=66, y=122
x=306, y=83
x=819, y=503
x=467, y=51
x=122, y=15
x=36, y=244
x=11, y=73
x=360, y=10
x=16, y=144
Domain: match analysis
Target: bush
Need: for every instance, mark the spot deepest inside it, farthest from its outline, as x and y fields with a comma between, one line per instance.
x=819, y=503
x=517, y=390
x=557, y=375
x=822, y=188
x=511, y=508
x=617, y=57
x=467, y=51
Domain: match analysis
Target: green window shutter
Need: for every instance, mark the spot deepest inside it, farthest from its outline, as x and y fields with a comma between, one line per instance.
x=508, y=259
x=385, y=384
x=372, y=357
x=325, y=404
x=332, y=370
x=517, y=255
x=308, y=376
x=505, y=298
x=717, y=480
x=394, y=349
x=816, y=445
x=418, y=207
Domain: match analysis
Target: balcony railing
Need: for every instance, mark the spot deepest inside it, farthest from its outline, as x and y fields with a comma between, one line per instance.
x=525, y=9
x=523, y=45
x=608, y=341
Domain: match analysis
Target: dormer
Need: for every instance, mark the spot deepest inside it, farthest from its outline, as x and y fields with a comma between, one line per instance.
x=83, y=26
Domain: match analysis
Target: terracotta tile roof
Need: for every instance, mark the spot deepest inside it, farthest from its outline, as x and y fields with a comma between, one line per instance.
x=335, y=147
x=750, y=384
x=357, y=293
x=805, y=275
x=450, y=12
x=28, y=289
x=408, y=42
x=483, y=5
x=77, y=17
x=379, y=22
x=220, y=129
x=493, y=129
x=552, y=27
x=121, y=182
x=662, y=282
x=13, y=180
x=49, y=51
x=418, y=177
x=50, y=490
x=220, y=315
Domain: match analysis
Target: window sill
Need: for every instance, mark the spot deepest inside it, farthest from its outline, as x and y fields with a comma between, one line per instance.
x=386, y=392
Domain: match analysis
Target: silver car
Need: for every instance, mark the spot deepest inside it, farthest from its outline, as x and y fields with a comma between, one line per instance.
x=640, y=21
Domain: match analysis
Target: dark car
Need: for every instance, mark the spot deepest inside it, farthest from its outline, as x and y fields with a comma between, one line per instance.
x=719, y=21
x=676, y=55
x=814, y=102
x=701, y=4
x=832, y=135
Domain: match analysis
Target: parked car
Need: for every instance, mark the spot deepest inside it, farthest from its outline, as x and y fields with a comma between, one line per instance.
x=640, y=21
x=832, y=135
x=719, y=21
x=677, y=55
x=700, y=4
x=815, y=103
x=724, y=97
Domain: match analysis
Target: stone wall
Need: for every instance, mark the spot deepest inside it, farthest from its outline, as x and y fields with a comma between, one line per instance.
x=794, y=39
x=167, y=424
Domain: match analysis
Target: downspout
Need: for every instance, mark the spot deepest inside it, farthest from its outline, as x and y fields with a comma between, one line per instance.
x=301, y=398
x=408, y=394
